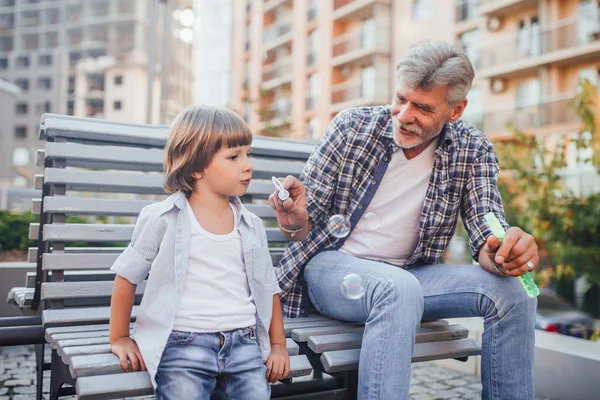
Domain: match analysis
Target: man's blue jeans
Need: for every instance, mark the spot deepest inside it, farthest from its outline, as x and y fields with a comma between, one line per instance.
x=397, y=299
x=195, y=364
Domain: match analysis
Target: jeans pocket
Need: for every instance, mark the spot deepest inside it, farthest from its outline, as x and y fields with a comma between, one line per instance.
x=248, y=335
x=178, y=338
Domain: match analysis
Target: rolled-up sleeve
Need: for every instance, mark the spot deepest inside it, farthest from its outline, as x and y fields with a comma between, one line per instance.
x=480, y=196
x=320, y=173
x=135, y=262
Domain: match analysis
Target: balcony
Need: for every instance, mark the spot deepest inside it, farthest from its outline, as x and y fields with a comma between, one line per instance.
x=553, y=112
x=356, y=46
x=277, y=34
x=276, y=115
x=277, y=73
x=500, y=8
x=565, y=43
x=360, y=92
x=269, y=5
x=354, y=9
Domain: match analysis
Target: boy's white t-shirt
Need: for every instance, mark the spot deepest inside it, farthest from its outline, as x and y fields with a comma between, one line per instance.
x=389, y=228
x=216, y=296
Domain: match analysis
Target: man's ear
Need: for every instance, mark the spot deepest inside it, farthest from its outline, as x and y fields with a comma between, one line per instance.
x=458, y=109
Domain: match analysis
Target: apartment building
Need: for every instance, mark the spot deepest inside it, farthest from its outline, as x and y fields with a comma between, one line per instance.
x=91, y=58
x=296, y=63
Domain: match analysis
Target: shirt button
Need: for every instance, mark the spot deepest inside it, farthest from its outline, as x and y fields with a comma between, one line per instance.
x=373, y=182
x=360, y=206
x=386, y=158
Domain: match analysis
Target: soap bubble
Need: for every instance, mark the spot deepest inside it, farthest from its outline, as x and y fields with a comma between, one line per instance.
x=372, y=220
x=339, y=225
x=352, y=287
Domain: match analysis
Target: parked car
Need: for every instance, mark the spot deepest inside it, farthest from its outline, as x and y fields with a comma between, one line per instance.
x=555, y=314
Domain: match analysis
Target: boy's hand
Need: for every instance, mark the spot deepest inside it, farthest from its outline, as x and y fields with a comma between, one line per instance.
x=126, y=349
x=278, y=363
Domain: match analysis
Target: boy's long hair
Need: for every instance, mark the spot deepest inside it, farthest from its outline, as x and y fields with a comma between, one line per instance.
x=196, y=135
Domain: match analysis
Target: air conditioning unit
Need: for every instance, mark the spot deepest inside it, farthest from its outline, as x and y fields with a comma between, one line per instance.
x=498, y=85
x=493, y=24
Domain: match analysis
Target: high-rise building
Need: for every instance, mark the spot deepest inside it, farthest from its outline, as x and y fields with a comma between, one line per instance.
x=91, y=58
x=296, y=63
x=213, y=52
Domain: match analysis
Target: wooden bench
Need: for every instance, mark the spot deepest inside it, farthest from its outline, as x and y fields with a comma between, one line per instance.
x=97, y=168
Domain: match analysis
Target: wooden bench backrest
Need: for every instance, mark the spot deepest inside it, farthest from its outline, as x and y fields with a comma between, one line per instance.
x=95, y=168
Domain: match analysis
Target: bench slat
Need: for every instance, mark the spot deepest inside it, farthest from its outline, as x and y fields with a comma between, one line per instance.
x=127, y=182
x=82, y=290
x=114, y=386
x=74, y=329
x=103, y=364
x=91, y=130
x=139, y=159
x=91, y=261
x=347, y=360
x=352, y=340
x=68, y=351
x=122, y=207
x=79, y=316
x=289, y=327
x=108, y=233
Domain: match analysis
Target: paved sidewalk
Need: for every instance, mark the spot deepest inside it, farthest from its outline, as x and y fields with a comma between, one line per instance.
x=428, y=382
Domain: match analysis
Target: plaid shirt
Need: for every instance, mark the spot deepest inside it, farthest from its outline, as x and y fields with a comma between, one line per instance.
x=344, y=171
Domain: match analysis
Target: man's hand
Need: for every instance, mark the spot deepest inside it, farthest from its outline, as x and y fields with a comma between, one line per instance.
x=278, y=363
x=126, y=349
x=292, y=213
x=517, y=249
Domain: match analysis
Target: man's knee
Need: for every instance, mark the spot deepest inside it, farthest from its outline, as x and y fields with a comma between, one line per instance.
x=511, y=296
x=403, y=289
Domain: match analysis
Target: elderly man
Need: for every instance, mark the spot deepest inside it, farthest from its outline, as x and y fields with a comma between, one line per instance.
x=403, y=173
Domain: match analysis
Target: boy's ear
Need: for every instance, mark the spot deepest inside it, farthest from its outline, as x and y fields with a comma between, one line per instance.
x=197, y=175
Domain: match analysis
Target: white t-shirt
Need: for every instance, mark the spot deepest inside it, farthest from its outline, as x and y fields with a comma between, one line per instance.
x=389, y=228
x=216, y=296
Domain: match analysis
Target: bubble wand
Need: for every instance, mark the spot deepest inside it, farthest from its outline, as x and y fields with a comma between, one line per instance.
x=526, y=279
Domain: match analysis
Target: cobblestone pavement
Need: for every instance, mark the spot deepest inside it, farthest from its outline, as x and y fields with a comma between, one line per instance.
x=428, y=381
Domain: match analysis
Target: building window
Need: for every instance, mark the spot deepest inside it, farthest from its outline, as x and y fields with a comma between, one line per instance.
x=471, y=44
x=23, y=84
x=312, y=131
x=314, y=39
x=21, y=132
x=21, y=108
x=528, y=37
x=47, y=107
x=117, y=105
x=44, y=83
x=23, y=61
x=45, y=59
x=3, y=63
x=118, y=80
x=466, y=10
x=20, y=157
x=422, y=10
x=473, y=114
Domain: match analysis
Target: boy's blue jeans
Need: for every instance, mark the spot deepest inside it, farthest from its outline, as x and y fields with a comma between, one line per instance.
x=195, y=364
x=397, y=299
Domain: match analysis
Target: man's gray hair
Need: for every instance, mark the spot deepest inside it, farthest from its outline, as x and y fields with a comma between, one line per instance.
x=436, y=63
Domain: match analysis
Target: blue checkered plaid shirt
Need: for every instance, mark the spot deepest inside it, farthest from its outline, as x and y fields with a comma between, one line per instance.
x=344, y=171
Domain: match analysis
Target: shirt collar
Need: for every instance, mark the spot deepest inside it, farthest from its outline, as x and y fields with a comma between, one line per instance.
x=179, y=199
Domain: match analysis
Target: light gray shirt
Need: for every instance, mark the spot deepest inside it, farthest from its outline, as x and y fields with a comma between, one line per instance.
x=160, y=247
